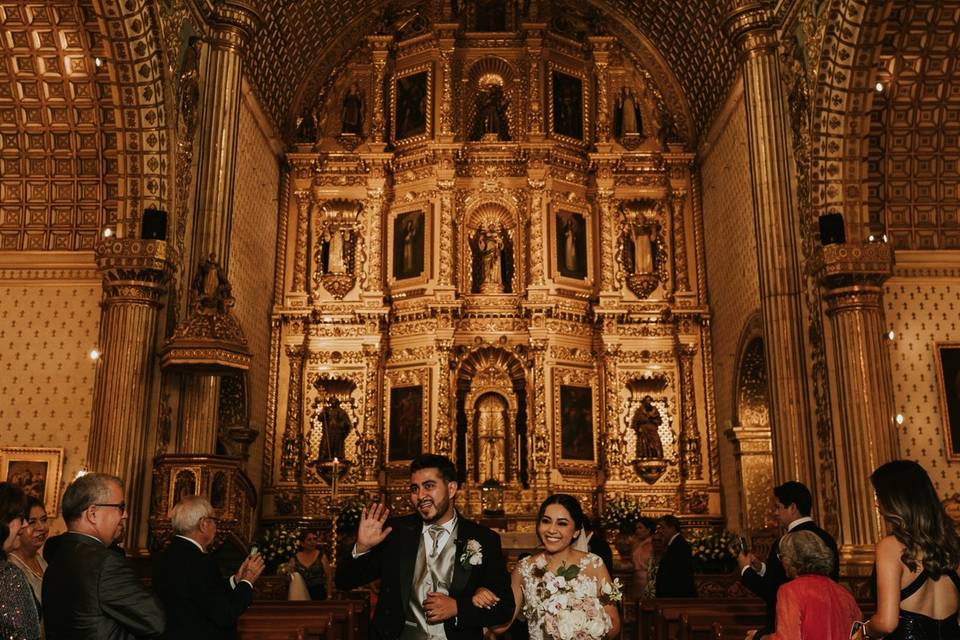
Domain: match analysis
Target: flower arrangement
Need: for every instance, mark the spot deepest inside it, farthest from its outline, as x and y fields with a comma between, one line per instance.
x=569, y=605
x=715, y=553
x=349, y=517
x=472, y=554
x=621, y=513
x=278, y=545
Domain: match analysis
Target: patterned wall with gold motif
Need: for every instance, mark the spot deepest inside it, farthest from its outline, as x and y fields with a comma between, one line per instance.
x=49, y=324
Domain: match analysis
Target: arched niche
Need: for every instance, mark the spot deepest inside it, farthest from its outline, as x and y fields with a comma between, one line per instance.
x=490, y=228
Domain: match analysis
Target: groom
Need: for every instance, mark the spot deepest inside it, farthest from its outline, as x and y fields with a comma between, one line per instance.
x=429, y=563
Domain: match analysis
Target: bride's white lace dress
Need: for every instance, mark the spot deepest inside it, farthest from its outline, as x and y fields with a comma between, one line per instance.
x=560, y=606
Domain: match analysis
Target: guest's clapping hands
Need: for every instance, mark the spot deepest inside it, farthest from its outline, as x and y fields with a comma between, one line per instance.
x=484, y=598
x=250, y=570
x=371, y=531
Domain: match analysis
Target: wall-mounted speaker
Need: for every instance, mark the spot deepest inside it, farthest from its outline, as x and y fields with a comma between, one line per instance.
x=154, y=225
x=831, y=229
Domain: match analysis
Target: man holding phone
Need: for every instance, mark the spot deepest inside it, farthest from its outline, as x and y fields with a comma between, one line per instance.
x=200, y=603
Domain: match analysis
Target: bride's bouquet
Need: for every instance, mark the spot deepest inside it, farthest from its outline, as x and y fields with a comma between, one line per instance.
x=570, y=605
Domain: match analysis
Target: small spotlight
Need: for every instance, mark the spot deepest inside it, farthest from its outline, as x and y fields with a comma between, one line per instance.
x=94, y=354
x=98, y=61
x=107, y=232
x=892, y=335
x=871, y=238
x=878, y=87
x=80, y=473
x=884, y=237
x=899, y=418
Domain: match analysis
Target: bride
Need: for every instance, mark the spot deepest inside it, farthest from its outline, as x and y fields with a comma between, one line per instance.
x=564, y=593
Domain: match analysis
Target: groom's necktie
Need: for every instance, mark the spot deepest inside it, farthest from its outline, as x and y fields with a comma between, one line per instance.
x=435, y=532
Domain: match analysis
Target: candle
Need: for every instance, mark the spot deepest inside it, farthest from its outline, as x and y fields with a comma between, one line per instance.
x=336, y=474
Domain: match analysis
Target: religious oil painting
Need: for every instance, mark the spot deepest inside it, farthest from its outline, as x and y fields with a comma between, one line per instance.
x=567, y=105
x=571, y=244
x=576, y=423
x=948, y=375
x=408, y=240
x=35, y=470
x=412, y=105
x=406, y=422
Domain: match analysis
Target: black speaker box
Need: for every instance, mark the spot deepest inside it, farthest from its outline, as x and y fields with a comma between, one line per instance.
x=831, y=229
x=154, y=226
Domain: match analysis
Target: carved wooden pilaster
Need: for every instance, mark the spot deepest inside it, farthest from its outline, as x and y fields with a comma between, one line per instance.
x=541, y=437
x=370, y=444
x=751, y=25
x=446, y=275
x=446, y=44
x=601, y=46
x=371, y=279
x=291, y=450
x=678, y=201
x=537, y=221
x=615, y=442
x=444, y=436
x=852, y=277
x=609, y=232
x=753, y=451
x=135, y=274
x=691, y=459
x=379, y=48
x=534, y=38
x=300, y=242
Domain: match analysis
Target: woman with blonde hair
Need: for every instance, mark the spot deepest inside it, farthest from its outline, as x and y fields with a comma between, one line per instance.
x=811, y=606
x=918, y=589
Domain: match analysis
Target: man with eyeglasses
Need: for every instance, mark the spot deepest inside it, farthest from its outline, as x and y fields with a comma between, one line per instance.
x=200, y=603
x=89, y=591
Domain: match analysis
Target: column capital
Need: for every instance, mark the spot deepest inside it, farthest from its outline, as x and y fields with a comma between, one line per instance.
x=853, y=273
x=134, y=270
x=751, y=25
x=233, y=23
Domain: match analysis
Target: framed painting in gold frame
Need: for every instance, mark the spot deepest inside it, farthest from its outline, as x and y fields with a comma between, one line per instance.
x=411, y=103
x=36, y=470
x=948, y=381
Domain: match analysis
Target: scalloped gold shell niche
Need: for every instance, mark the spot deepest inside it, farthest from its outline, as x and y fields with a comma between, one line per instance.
x=337, y=284
x=650, y=469
x=642, y=284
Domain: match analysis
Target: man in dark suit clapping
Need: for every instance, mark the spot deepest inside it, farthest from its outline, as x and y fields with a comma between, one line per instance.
x=675, y=570
x=793, y=506
x=200, y=602
x=430, y=563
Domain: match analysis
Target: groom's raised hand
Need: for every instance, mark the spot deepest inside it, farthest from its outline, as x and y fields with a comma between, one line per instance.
x=371, y=531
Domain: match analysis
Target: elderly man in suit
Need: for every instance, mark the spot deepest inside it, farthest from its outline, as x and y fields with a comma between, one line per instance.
x=429, y=563
x=89, y=591
x=793, y=506
x=675, y=571
x=200, y=602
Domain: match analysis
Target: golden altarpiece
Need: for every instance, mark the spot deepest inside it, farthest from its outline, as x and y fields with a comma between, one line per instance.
x=492, y=249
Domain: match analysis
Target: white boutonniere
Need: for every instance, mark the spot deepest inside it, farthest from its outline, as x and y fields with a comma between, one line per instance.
x=472, y=554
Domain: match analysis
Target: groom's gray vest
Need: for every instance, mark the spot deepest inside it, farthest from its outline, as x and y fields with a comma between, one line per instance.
x=435, y=575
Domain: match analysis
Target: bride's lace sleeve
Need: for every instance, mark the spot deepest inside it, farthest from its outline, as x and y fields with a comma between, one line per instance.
x=18, y=613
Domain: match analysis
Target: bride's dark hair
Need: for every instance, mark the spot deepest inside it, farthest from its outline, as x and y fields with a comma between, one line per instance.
x=568, y=502
x=909, y=502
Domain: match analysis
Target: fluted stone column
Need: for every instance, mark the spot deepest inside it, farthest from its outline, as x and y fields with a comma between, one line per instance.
x=852, y=277
x=135, y=273
x=776, y=230
x=232, y=24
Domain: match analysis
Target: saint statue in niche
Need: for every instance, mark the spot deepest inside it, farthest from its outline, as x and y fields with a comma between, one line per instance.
x=336, y=263
x=351, y=113
x=491, y=123
x=646, y=423
x=336, y=426
x=629, y=121
x=490, y=244
x=643, y=249
x=491, y=427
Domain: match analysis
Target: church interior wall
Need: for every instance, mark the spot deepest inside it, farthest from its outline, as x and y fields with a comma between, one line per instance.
x=921, y=309
x=49, y=324
x=252, y=255
x=733, y=285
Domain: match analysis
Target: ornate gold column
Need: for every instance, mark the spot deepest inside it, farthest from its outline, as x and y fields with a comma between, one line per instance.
x=678, y=201
x=370, y=457
x=753, y=451
x=291, y=451
x=852, y=277
x=776, y=229
x=443, y=438
x=135, y=273
x=232, y=23
x=299, y=275
x=379, y=49
x=609, y=228
x=534, y=36
x=538, y=221
x=691, y=459
x=601, y=46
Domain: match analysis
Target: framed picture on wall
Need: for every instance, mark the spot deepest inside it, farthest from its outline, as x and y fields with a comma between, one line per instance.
x=948, y=377
x=406, y=423
x=576, y=423
x=571, y=244
x=35, y=470
x=566, y=106
x=411, y=105
x=409, y=233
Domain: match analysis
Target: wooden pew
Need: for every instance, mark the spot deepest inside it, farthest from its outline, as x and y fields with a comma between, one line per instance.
x=346, y=619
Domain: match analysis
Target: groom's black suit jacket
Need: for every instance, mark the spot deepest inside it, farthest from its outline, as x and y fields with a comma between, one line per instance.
x=393, y=561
